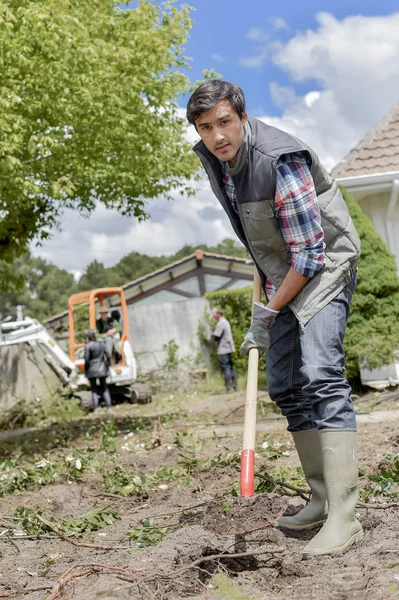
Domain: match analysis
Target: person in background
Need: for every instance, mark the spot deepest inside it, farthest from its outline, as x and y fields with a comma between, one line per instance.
x=97, y=359
x=105, y=330
x=102, y=322
x=225, y=348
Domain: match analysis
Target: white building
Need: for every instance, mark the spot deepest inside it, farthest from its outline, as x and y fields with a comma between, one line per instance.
x=370, y=173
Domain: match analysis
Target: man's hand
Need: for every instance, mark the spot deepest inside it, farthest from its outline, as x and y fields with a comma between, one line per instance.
x=257, y=335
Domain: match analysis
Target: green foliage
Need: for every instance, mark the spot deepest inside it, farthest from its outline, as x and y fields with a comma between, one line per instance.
x=35, y=522
x=42, y=289
x=373, y=326
x=46, y=411
x=20, y=473
x=386, y=482
x=274, y=449
x=88, y=111
x=108, y=438
x=147, y=534
x=119, y=481
x=237, y=306
x=172, y=360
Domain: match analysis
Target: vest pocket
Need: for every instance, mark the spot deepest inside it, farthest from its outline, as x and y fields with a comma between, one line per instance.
x=258, y=210
x=261, y=225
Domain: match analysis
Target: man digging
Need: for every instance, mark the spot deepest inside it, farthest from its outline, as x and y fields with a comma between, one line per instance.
x=292, y=218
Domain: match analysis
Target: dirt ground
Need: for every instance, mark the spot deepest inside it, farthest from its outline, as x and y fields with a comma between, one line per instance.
x=183, y=502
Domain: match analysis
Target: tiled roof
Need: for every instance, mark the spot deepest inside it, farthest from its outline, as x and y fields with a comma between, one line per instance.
x=378, y=152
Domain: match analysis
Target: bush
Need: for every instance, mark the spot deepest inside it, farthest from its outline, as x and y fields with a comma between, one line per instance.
x=372, y=332
x=373, y=326
x=237, y=305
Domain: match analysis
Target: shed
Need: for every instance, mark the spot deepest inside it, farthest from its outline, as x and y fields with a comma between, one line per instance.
x=168, y=304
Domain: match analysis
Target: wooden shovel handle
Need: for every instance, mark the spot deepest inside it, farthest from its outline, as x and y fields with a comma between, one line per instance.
x=247, y=479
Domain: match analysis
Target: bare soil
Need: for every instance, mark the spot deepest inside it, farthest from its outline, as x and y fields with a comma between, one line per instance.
x=202, y=519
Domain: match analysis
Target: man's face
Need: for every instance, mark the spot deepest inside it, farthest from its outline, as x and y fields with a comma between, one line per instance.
x=104, y=315
x=215, y=315
x=222, y=131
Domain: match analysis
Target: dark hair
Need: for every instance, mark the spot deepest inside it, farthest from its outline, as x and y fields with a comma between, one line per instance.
x=115, y=315
x=212, y=91
x=92, y=335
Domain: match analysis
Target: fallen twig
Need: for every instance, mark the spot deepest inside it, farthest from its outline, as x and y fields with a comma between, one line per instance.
x=377, y=506
x=68, y=576
x=11, y=593
x=197, y=562
x=301, y=492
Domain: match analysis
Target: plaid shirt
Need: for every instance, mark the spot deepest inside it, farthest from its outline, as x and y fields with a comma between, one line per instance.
x=298, y=213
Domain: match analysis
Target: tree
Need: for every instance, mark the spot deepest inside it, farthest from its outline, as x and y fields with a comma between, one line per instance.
x=88, y=112
x=98, y=276
x=45, y=291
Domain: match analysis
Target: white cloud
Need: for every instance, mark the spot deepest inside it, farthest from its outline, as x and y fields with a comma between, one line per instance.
x=218, y=57
x=257, y=60
x=107, y=236
x=355, y=64
x=278, y=23
x=255, y=34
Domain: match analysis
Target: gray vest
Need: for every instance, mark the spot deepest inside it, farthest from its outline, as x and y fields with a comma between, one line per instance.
x=257, y=226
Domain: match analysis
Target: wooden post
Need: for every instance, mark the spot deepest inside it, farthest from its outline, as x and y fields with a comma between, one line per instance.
x=247, y=480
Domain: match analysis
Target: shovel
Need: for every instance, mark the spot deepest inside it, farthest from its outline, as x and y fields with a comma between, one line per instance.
x=247, y=479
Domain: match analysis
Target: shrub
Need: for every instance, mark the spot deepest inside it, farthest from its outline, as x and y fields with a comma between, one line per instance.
x=236, y=306
x=372, y=332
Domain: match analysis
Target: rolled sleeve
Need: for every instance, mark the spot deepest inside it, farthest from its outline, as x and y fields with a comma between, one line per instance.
x=298, y=213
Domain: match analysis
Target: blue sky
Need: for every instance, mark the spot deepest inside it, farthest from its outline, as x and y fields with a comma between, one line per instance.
x=325, y=71
x=223, y=28
x=226, y=32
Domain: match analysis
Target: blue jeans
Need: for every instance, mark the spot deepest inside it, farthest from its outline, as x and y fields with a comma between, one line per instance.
x=228, y=370
x=305, y=367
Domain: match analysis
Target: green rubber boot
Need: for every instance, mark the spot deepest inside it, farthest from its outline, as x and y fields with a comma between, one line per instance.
x=314, y=513
x=341, y=529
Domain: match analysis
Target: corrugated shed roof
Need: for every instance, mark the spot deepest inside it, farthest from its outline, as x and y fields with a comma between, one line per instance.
x=185, y=264
x=378, y=152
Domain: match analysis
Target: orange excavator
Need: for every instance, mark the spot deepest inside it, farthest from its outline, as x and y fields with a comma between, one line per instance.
x=82, y=310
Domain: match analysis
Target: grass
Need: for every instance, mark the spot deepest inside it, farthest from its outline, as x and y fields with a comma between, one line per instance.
x=226, y=590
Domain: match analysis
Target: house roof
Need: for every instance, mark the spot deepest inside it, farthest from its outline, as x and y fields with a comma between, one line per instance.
x=378, y=152
x=225, y=270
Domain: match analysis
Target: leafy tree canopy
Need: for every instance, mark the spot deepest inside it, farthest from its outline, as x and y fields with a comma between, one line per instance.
x=45, y=290
x=88, y=111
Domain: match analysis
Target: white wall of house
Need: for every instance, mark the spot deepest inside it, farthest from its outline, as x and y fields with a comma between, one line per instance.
x=375, y=205
x=153, y=325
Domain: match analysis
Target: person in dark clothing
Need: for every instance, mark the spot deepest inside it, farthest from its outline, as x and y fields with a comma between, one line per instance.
x=97, y=359
x=222, y=335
